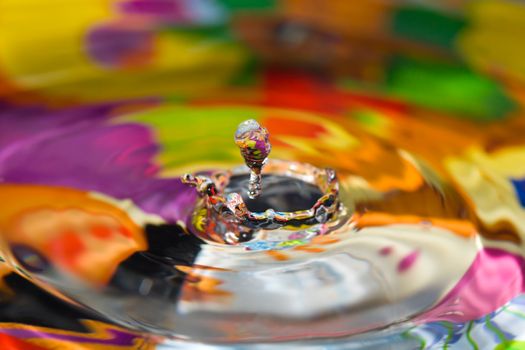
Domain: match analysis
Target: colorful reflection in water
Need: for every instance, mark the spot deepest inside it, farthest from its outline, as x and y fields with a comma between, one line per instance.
x=104, y=104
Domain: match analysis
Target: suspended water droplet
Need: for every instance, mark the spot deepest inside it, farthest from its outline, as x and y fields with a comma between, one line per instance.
x=255, y=147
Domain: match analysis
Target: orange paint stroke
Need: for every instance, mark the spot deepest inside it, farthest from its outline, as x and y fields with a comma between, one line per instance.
x=277, y=255
x=324, y=240
x=309, y=249
x=79, y=233
x=188, y=269
x=370, y=219
x=203, y=288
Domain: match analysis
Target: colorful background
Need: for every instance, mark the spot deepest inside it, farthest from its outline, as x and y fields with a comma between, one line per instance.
x=121, y=97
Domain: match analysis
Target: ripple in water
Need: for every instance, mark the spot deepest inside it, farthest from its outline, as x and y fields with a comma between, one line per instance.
x=412, y=256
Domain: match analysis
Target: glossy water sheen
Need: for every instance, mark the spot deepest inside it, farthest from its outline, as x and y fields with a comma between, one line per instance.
x=424, y=128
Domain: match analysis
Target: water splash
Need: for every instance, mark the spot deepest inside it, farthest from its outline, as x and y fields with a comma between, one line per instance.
x=403, y=247
x=224, y=213
x=255, y=147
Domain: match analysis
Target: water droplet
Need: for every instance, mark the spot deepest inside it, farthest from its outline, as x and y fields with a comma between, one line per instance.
x=255, y=147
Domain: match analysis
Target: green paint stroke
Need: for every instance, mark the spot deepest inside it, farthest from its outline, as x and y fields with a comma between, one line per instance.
x=495, y=329
x=408, y=335
x=469, y=336
x=242, y=5
x=450, y=334
x=427, y=26
x=371, y=120
x=511, y=345
x=196, y=134
x=515, y=313
x=448, y=88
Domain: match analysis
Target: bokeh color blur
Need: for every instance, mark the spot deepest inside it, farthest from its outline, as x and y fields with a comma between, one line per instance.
x=105, y=103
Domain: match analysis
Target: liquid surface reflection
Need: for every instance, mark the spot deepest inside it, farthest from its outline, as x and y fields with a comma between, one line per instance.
x=392, y=205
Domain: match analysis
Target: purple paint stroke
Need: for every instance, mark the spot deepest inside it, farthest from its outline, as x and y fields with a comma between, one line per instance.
x=172, y=12
x=386, y=251
x=153, y=7
x=22, y=122
x=118, y=337
x=407, y=261
x=89, y=154
x=262, y=146
x=113, y=46
x=17, y=123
